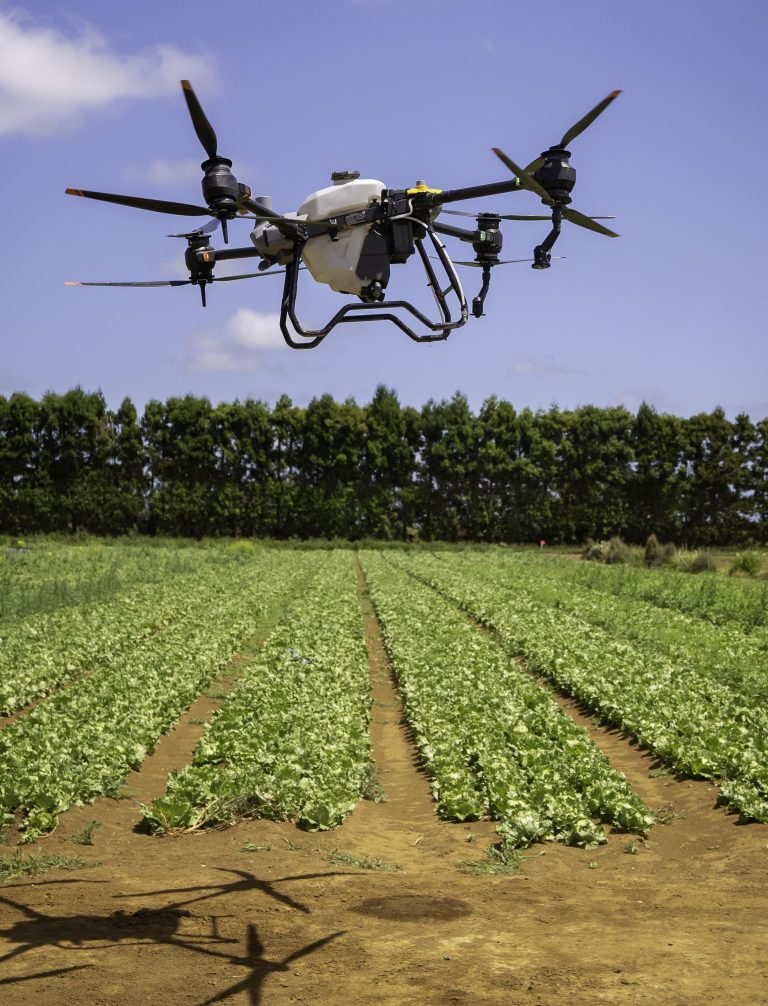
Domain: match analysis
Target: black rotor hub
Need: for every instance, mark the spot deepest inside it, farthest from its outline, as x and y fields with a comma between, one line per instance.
x=489, y=238
x=557, y=175
x=220, y=187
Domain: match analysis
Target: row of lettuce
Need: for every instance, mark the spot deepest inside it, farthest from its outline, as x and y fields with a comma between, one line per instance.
x=692, y=693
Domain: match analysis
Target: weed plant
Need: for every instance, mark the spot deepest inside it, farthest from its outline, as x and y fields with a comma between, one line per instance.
x=32, y=866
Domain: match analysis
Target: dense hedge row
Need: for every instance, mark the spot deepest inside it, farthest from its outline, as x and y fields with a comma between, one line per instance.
x=382, y=470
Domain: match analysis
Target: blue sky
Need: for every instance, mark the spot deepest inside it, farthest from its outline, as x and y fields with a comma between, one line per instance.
x=673, y=313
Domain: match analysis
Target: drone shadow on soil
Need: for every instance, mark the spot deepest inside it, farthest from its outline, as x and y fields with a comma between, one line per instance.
x=161, y=926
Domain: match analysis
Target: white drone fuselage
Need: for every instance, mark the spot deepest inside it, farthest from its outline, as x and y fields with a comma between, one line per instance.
x=330, y=260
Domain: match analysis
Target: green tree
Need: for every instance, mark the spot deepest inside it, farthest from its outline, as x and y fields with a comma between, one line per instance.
x=712, y=467
x=26, y=502
x=386, y=470
x=180, y=442
x=656, y=487
x=447, y=469
x=287, y=423
x=329, y=469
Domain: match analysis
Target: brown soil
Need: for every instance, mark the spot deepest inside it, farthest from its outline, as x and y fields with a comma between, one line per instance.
x=193, y=919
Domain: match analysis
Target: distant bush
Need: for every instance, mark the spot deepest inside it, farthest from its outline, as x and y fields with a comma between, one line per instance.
x=748, y=562
x=618, y=551
x=656, y=554
x=668, y=554
x=611, y=552
x=592, y=550
x=696, y=562
x=243, y=548
x=652, y=551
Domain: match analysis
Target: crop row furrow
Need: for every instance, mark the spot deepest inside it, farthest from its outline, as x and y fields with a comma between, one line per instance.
x=695, y=725
x=82, y=743
x=723, y=654
x=44, y=652
x=291, y=739
x=491, y=739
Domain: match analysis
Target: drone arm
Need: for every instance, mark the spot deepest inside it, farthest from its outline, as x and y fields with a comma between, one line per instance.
x=472, y=192
x=258, y=209
x=229, y=253
x=455, y=232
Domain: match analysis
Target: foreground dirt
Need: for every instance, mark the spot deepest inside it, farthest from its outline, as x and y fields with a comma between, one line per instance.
x=264, y=913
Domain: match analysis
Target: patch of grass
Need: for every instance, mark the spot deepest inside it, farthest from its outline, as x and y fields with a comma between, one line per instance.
x=338, y=857
x=666, y=814
x=85, y=837
x=251, y=847
x=658, y=773
x=124, y=794
x=216, y=693
x=748, y=562
x=372, y=787
x=497, y=861
x=17, y=866
x=631, y=848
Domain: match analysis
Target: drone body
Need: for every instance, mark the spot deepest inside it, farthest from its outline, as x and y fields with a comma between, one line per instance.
x=348, y=235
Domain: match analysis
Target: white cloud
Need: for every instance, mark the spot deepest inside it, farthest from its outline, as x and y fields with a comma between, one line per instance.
x=170, y=173
x=253, y=330
x=240, y=346
x=49, y=80
x=526, y=366
x=174, y=173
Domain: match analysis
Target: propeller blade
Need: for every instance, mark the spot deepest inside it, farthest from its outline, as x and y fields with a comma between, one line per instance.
x=208, y=228
x=574, y=131
x=506, y=261
x=522, y=216
x=156, y=282
x=589, y=222
x=589, y=118
x=248, y=275
x=525, y=179
x=534, y=166
x=203, y=128
x=513, y=216
x=501, y=216
x=140, y=203
x=185, y=282
x=479, y=265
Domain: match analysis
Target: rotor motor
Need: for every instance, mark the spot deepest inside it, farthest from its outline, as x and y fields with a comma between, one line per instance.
x=489, y=239
x=220, y=187
x=557, y=175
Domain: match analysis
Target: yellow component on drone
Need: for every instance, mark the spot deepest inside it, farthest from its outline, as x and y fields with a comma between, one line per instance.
x=421, y=187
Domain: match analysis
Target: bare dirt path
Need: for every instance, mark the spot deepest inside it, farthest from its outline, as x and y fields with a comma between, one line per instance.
x=256, y=914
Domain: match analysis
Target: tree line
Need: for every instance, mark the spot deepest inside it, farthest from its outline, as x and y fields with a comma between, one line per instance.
x=383, y=470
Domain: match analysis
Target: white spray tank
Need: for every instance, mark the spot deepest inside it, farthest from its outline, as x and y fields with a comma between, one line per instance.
x=335, y=261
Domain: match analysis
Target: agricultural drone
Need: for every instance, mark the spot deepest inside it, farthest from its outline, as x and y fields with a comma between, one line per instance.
x=348, y=235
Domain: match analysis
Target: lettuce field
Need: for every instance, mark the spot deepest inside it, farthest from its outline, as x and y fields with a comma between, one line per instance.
x=244, y=772
x=104, y=647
